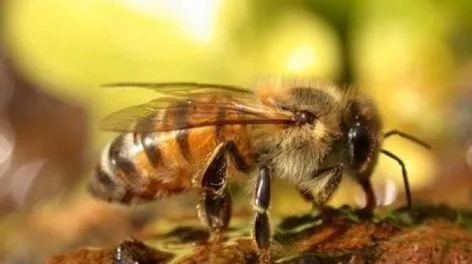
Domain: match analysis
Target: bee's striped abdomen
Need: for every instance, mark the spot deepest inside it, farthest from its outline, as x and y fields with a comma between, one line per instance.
x=181, y=117
x=131, y=171
x=150, y=165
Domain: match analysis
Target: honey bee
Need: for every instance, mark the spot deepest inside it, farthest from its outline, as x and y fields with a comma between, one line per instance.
x=195, y=136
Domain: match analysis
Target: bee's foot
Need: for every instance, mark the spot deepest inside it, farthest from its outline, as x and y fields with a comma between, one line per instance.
x=133, y=251
x=264, y=257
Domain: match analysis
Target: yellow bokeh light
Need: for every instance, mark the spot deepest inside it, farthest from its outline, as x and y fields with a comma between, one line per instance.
x=195, y=17
x=301, y=58
x=298, y=44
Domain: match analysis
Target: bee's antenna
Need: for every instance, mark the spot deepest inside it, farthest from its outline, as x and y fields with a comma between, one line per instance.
x=404, y=174
x=407, y=136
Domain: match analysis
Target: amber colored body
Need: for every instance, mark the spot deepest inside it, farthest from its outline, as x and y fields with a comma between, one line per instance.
x=138, y=167
x=298, y=130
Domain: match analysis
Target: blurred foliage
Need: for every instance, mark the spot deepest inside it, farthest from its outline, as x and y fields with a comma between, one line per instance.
x=81, y=44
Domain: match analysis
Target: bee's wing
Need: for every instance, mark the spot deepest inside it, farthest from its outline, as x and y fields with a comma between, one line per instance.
x=198, y=110
x=183, y=88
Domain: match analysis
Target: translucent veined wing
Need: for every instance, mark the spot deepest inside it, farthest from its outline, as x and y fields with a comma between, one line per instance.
x=195, y=110
x=188, y=89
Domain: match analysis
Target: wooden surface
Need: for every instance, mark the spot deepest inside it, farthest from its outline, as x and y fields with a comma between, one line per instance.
x=425, y=235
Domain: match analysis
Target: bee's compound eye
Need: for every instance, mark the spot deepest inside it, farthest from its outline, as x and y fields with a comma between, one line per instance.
x=359, y=144
x=304, y=117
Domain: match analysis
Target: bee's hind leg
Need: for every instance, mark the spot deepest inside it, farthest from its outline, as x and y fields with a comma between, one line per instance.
x=327, y=181
x=214, y=208
x=261, y=202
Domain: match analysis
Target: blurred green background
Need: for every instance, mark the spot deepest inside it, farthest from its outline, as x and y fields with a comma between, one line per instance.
x=414, y=58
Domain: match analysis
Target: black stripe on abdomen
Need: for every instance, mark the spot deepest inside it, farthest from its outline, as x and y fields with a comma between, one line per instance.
x=120, y=161
x=104, y=179
x=151, y=149
x=103, y=186
x=181, y=119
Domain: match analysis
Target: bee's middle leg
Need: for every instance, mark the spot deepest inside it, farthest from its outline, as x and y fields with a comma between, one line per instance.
x=261, y=202
x=328, y=180
x=214, y=208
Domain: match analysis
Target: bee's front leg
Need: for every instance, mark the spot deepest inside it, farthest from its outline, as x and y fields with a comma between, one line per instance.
x=327, y=181
x=371, y=201
x=261, y=204
x=215, y=205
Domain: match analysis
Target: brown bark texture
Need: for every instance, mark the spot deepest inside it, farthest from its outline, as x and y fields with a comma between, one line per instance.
x=424, y=234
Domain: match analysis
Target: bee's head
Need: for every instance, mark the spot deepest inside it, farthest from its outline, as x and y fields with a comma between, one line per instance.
x=362, y=127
